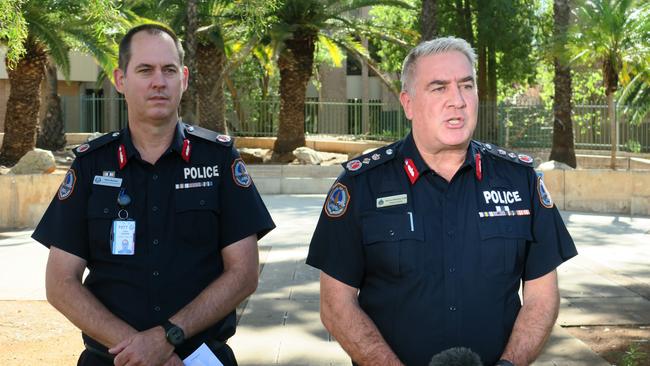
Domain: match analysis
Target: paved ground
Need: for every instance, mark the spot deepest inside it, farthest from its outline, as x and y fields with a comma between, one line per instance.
x=608, y=283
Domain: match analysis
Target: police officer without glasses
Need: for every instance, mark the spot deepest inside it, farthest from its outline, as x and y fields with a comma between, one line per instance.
x=164, y=216
x=423, y=244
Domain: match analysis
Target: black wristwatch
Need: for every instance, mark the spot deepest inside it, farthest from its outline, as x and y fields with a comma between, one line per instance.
x=173, y=333
x=504, y=363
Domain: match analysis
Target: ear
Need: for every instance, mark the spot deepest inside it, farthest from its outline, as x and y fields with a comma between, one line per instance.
x=405, y=100
x=118, y=76
x=186, y=77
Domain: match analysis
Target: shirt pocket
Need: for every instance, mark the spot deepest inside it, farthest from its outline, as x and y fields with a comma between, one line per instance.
x=503, y=244
x=388, y=239
x=197, y=216
x=101, y=211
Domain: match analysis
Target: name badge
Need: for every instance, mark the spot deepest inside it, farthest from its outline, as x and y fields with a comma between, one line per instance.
x=123, y=237
x=107, y=181
x=399, y=199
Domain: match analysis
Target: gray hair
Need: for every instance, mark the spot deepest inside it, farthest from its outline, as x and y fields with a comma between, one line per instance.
x=433, y=47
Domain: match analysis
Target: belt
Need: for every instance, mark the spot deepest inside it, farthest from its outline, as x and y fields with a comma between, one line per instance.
x=99, y=353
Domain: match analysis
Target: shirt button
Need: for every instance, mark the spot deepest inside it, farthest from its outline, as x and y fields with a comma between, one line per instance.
x=202, y=202
x=154, y=177
x=156, y=308
x=156, y=273
x=155, y=242
x=452, y=269
x=154, y=208
x=105, y=210
x=451, y=232
x=452, y=308
x=391, y=232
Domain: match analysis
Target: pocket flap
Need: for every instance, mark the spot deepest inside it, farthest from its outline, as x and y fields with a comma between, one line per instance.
x=191, y=201
x=391, y=227
x=511, y=227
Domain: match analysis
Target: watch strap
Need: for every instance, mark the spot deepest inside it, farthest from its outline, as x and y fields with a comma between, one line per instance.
x=504, y=363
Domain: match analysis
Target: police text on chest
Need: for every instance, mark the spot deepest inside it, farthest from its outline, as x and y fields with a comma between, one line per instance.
x=501, y=197
x=201, y=172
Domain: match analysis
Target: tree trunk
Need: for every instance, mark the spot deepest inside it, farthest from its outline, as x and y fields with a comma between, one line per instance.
x=491, y=111
x=610, y=77
x=467, y=23
x=611, y=115
x=21, y=118
x=563, y=149
x=51, y=136
x=295, y=64
x=211, y=63
x=188, y=103
x=236, y=104
x=428, y=23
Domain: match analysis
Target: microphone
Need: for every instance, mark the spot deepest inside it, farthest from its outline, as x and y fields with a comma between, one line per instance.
x=458, y=356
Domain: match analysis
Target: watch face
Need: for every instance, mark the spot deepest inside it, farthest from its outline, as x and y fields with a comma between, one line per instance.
x=175, y=335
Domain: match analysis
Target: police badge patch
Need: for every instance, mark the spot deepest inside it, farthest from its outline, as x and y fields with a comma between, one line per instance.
x=67, y=186
x=240, y=174
x=544, y=196
x=337, y=201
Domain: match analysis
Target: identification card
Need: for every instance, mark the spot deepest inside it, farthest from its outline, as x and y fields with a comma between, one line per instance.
x=123, y=237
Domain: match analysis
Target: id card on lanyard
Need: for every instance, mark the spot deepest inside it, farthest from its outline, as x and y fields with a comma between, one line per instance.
x=123, y=237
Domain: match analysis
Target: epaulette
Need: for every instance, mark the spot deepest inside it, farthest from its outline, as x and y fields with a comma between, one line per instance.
x=508, y=155
x=94, y=144
x=370, y=160
x=209, y=135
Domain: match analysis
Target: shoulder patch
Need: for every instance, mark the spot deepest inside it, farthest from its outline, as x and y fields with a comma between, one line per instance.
x=91, y=145
x=543, y=193
x=370, y=160
x=209, y=135
x=67, y=186
x=337, y=200
x=240, y=174
x=508, y=155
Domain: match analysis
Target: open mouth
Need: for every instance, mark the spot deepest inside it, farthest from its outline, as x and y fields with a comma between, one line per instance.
x=455, y=122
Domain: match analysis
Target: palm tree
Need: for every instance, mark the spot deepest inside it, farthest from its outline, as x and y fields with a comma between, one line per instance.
x=51, y=135
x=610, y=32
x=563, y=149
x=297, y=27
x=217, y=34
x=40, y=28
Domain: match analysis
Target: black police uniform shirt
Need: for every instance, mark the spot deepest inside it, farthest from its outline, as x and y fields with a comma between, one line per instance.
x=439, y=264
x=197, y=199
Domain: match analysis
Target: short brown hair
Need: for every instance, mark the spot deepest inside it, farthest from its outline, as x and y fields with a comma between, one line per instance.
x=150, y=28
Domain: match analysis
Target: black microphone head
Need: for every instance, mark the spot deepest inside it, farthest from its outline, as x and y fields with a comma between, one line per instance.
x=458, y=356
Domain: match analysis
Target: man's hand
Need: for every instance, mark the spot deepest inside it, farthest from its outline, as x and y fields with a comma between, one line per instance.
x=148, y=348
x=174, y=361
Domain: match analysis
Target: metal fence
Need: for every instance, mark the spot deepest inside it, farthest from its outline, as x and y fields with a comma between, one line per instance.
x=505, y=125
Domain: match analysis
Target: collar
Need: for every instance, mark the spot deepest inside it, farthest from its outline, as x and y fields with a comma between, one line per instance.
x=415, y=166
x=126, y=150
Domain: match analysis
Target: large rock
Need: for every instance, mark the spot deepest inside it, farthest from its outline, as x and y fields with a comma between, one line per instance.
x=306, y=155
x=553, y=165
x=94, y=135
x=253, y=156
x=37, y=161
x=332, y=158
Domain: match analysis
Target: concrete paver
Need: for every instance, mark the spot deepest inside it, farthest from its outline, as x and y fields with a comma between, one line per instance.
x=608, y=283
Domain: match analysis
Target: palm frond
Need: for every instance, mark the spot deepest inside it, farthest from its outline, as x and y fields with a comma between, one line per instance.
x=13, y=30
